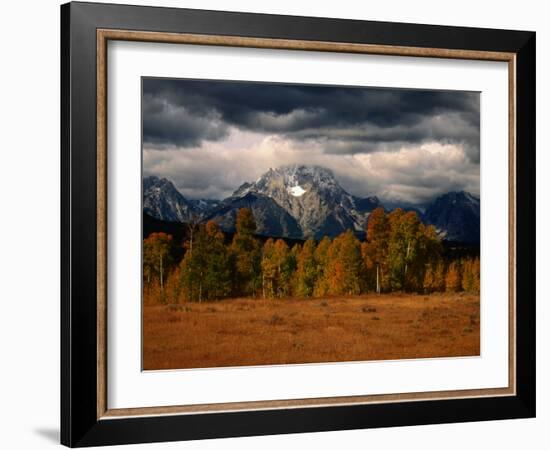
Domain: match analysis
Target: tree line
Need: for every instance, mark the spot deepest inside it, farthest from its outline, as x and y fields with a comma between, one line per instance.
x=400, y=253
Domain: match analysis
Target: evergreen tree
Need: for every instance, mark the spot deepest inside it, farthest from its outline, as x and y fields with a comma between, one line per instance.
x=306, y=271
x=246, y=252
x=217, y=278
x=269, y=269
x=321, y=260
x=286, y=266
x=205, y=272
x=193, y=266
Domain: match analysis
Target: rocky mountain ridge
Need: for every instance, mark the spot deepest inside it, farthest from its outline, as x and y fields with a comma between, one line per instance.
x=300, y=201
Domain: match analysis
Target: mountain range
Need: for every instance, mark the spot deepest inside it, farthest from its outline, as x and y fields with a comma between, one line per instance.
x=302, y=201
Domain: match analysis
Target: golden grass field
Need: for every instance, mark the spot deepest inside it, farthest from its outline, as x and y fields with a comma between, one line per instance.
x=248, y=332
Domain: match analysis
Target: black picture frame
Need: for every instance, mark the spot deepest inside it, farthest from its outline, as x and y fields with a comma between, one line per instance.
x=80, y=425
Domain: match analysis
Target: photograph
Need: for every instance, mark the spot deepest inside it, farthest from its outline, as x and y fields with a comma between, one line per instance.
x=292, y=224
x=271, y=223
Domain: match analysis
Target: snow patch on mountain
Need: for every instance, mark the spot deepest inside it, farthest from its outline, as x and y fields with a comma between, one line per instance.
x=297, y=191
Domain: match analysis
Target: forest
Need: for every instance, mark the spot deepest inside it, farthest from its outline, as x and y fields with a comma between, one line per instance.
x=399, y=254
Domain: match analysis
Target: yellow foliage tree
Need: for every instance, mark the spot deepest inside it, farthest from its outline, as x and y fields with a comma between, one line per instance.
x=278, y=266
x=344, y=270
x=156, y=259
x=453, y=281
x=470, y=275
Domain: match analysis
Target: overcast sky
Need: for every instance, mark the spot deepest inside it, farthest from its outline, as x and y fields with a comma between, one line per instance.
x=208, y=137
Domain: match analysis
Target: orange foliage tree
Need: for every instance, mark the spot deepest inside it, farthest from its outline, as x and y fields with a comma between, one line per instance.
x=399, y=253
x=344, y=270
x=375, y=249
x=453, y=282
x=434, y=279
x=470, y=275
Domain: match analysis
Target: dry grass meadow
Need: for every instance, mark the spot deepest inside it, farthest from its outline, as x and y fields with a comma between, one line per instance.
x=249, y=332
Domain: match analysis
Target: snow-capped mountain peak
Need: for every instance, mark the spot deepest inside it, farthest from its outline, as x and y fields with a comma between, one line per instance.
x=312, y=196
x=162, y=200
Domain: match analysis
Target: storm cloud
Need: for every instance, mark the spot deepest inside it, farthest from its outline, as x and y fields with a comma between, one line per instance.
x=211, y=136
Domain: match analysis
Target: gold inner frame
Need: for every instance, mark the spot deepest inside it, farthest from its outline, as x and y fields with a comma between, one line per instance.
x=104, y=35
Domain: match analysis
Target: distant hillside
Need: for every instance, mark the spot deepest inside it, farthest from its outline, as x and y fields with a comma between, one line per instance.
x=456, y=216
x=180, y=231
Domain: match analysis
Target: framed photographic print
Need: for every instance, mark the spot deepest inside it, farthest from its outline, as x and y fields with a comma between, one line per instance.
x=276, y=224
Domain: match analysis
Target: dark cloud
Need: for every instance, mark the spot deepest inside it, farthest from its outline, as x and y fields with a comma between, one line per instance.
x=400, y=144
x=171, y=124
x=185, y=113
